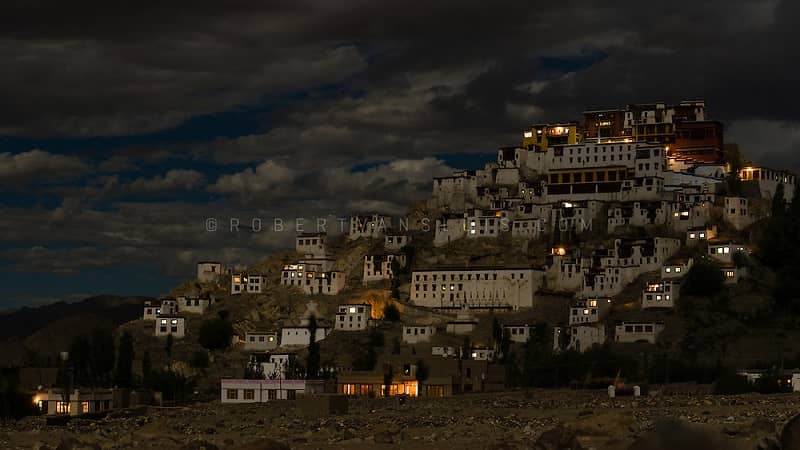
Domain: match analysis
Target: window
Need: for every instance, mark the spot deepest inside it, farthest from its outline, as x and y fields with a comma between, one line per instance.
x=62, y=408
x=272, y=394
x=249, y=394
x=85, y=407
x=231, y=394
x=291, y=394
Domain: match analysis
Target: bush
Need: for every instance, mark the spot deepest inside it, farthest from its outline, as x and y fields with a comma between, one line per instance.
x=391, y=313
x=215, y=334
x=729, y=383
x=704, y=279
x=199, y=359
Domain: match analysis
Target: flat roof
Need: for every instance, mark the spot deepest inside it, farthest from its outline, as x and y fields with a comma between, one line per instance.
x=471, y=268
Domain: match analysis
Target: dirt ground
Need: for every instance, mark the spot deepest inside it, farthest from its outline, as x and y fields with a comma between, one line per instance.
x=536, y=419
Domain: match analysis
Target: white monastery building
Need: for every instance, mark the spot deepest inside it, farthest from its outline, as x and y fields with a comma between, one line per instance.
x=353, y=317
x=476, y=287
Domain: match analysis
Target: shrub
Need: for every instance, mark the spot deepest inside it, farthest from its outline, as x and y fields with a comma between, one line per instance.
x=729, y=382
x=704, y=279
x=391, y=313
x=215, y=334
x=199, y=359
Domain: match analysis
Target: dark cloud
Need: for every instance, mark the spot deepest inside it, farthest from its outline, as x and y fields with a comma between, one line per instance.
x=295, y=98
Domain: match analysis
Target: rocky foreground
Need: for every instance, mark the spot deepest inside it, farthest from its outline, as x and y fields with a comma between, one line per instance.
x=542, y=420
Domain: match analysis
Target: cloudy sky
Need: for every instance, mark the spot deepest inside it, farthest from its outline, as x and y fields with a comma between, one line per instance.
x=123, y=127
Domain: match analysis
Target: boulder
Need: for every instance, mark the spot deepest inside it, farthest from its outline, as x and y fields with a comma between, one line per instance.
x=790, y=436
x=263, y=444
x=558, y=438
x=199, y=444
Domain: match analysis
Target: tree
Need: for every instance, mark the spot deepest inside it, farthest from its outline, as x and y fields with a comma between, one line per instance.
x=497, y=330
x=101, y=358
x=376, y=339
x=80, y=352
x=215, y=334
x=387, y=379
x=168, y=346
x=396, y=346
x=199, y=359
x=704, y=279
x=395, y=281
x=466, y=348
x=422, y=371
x=779, y=202
x=505, y=344
x=733, y=182
x=312, y=362
x=147, y=366
x=391, y=313
x=123, y=372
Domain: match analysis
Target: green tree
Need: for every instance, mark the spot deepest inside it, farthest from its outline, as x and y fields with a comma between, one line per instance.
x=123, y=372
x=376, y=339
x=396, y=346
x=215, y=334
x=391, y=313
x=733, y=182
x=313, y=360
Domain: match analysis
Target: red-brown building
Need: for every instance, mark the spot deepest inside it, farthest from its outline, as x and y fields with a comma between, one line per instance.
x=601, y=124
x=699, y=140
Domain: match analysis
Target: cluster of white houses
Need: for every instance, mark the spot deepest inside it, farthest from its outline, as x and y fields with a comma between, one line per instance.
x=168, y=313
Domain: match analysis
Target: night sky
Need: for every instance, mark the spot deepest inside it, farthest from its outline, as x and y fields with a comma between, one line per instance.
x=124, y=125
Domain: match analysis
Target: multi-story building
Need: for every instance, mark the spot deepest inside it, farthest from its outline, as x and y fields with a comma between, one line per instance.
x=413, y=334
x=379, y=267
x=353, y=317
x=476, y=287
x=455, y=193
x=369, y=226
x=392, y=242
x=592, y=310
x=449, y=228
x=518, y=333
x=723, y=251
x=660, y=294
x=631, y=332
x=311, y=244
x=737, y=212
x=697, y=234
x=194, y=305
x=209, y=271
x=260, y=340
x=261, y=391
x=170, y=325
x=301, y=336
x=541, y=137
x=676, y=268
x=579, y=338
x=247, y=283
x=311, y=278
x=768, y=180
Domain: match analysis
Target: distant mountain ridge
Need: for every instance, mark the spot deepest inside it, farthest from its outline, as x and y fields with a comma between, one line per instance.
x=26, y=321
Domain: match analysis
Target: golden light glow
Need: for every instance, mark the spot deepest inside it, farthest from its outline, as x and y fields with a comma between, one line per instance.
x=560, y=251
